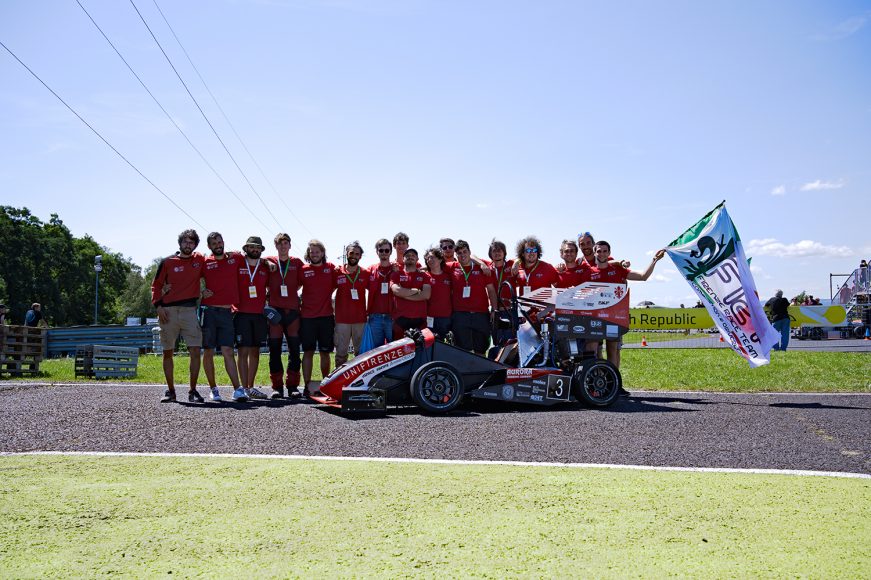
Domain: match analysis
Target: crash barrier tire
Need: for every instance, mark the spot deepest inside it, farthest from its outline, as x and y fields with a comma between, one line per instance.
x=859, y=332
x=437, y=387
x=597, y=382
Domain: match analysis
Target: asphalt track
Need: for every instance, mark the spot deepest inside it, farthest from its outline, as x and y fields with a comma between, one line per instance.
x=829, y=432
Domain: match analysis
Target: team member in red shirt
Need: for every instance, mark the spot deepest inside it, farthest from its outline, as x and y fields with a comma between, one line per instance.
x=175, y=290
x=448, y=247
x=284, y=283
x=379, y=301
x=501, y=272
x=220, y=295
x=318, y=323
x=400, y=244
x=606, y=271
x=411, y=289
x=572, y=271
x=250, y=323
x=351, y=284
x=472, y=295
x=438, y=307
x=585, y=244
x=532, y=272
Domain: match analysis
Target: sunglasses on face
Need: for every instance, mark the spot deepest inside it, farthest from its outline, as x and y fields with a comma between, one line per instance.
x=383, y=250
x=585, y=235
x=531, y=250
x=448, y=247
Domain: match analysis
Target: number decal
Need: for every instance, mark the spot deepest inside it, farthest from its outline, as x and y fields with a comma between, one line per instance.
x=559, y=388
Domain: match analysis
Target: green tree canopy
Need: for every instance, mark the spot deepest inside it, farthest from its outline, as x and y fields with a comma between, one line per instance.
x=45, y=263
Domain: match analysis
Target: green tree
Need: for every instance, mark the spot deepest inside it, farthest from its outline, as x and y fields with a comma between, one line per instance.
x=45, y=263
x=136, y=298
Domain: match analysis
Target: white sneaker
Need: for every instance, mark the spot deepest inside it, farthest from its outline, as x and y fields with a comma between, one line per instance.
x=239, y=395
x=255, y=393
x=216, y=395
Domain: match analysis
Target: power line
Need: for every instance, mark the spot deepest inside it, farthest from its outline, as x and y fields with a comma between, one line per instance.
x=227, y=119
x=168, y=116
x=97, y=133
x=233, y=159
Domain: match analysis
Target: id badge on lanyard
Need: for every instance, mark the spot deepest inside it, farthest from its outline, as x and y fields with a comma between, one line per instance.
x=283, y=289
x=467, y=291
x=252, y=291
x=384, y=287
x=354, y=294
x=527, y=290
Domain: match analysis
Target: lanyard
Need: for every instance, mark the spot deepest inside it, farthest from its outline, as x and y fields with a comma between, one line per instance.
x=466, y=276
x=384, y=275
x=529, y=274
x=501, y=272
x=252, y=274
x=354, y=281
x=286, y=268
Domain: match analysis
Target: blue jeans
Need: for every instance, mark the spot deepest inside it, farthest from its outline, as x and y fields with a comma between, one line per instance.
x=782, y=326
x=382, y=328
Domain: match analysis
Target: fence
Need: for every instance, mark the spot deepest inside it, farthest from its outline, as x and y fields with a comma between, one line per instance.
x=65, y=341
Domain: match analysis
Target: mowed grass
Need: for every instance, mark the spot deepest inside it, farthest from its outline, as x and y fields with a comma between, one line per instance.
x=80, y=516
x=655, y=369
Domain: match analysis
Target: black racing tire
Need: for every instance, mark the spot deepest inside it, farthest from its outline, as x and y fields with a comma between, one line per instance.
x=597, y=382
x=816, y=333
x=437, y=387
x=859, y=332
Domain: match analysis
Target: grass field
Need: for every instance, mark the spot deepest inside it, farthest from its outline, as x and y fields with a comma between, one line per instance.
x=659, y=369
x=232, y=517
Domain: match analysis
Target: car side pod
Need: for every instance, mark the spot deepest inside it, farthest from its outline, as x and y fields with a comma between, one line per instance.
x=363, y=399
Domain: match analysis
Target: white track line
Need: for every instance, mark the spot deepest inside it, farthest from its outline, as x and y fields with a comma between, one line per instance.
x=800, y=472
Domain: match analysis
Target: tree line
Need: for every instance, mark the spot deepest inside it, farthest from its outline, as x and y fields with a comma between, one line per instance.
x=43, y=262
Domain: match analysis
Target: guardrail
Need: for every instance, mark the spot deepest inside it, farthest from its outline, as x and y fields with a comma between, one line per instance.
x=65, y=341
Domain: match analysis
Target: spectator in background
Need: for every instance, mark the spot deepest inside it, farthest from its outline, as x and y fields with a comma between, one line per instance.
x=778, y=310
x=34, y=315
x=863, y=276
x=3, y=312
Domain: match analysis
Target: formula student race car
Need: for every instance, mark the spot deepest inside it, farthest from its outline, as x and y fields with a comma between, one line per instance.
x=546, y=364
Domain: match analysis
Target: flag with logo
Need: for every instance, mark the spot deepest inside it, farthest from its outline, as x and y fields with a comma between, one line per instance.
x=710, y=256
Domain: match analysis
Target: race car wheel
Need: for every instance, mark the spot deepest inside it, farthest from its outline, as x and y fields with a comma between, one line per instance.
x=597, y=382
x=437, y=387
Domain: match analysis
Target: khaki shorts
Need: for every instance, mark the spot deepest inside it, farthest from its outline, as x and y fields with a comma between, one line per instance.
x=181, y=320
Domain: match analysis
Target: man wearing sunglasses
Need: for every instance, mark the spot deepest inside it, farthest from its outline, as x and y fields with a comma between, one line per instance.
x=532, y=272
x=379, y=299
x=448, y=246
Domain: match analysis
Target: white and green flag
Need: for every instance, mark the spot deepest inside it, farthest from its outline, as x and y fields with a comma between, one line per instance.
x=711, y=258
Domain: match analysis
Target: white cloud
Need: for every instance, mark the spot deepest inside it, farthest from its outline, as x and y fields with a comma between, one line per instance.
x=820, y=185
x=482, y=205
x=779, y=190
x=844, y=28
x=802, y=249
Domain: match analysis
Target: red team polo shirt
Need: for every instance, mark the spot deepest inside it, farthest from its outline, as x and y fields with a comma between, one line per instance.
x=348, y=310
x=318, y=283
x=220, y=276
x=542, y=275
x=183, y=275
x=257, y=276
x=439, y=303
x=611, y=274
x=287, y=274
x=571, y=277
x=478, y=301
x=403, y=308
x=379, y=303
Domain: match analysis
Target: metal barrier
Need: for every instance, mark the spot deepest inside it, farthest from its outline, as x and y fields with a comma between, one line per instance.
x=65, y=341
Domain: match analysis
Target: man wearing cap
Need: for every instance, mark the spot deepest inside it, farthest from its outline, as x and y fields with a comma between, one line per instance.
x=318, y=325
x=778, y=309
x=351, y=283
x=249, y=321
x=411, y=289
x=174, y=291
x=220, y=296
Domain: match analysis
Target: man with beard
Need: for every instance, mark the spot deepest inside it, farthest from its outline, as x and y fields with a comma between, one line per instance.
x=174, y=291
x=318, y=324
x=351, y=284
x=472, y=294
x=249, y=322
x=411, y=289
x=284, y=284
x=448, y=247
x=379, y=302
x=572, y=271
x=220, y=295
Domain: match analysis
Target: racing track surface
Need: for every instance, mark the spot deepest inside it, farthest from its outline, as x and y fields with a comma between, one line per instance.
x=768, y=431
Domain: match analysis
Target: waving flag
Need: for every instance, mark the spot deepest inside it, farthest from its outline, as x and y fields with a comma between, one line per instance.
x=711, y=258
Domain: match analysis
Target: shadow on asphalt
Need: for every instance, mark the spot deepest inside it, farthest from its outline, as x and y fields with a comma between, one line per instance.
x=816, y=406
x=246, y=406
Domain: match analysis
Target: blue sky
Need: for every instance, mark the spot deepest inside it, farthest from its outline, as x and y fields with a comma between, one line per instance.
x=468, y=119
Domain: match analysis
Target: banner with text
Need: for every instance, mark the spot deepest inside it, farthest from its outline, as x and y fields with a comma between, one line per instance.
x=710, y=256
x=683, y=318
